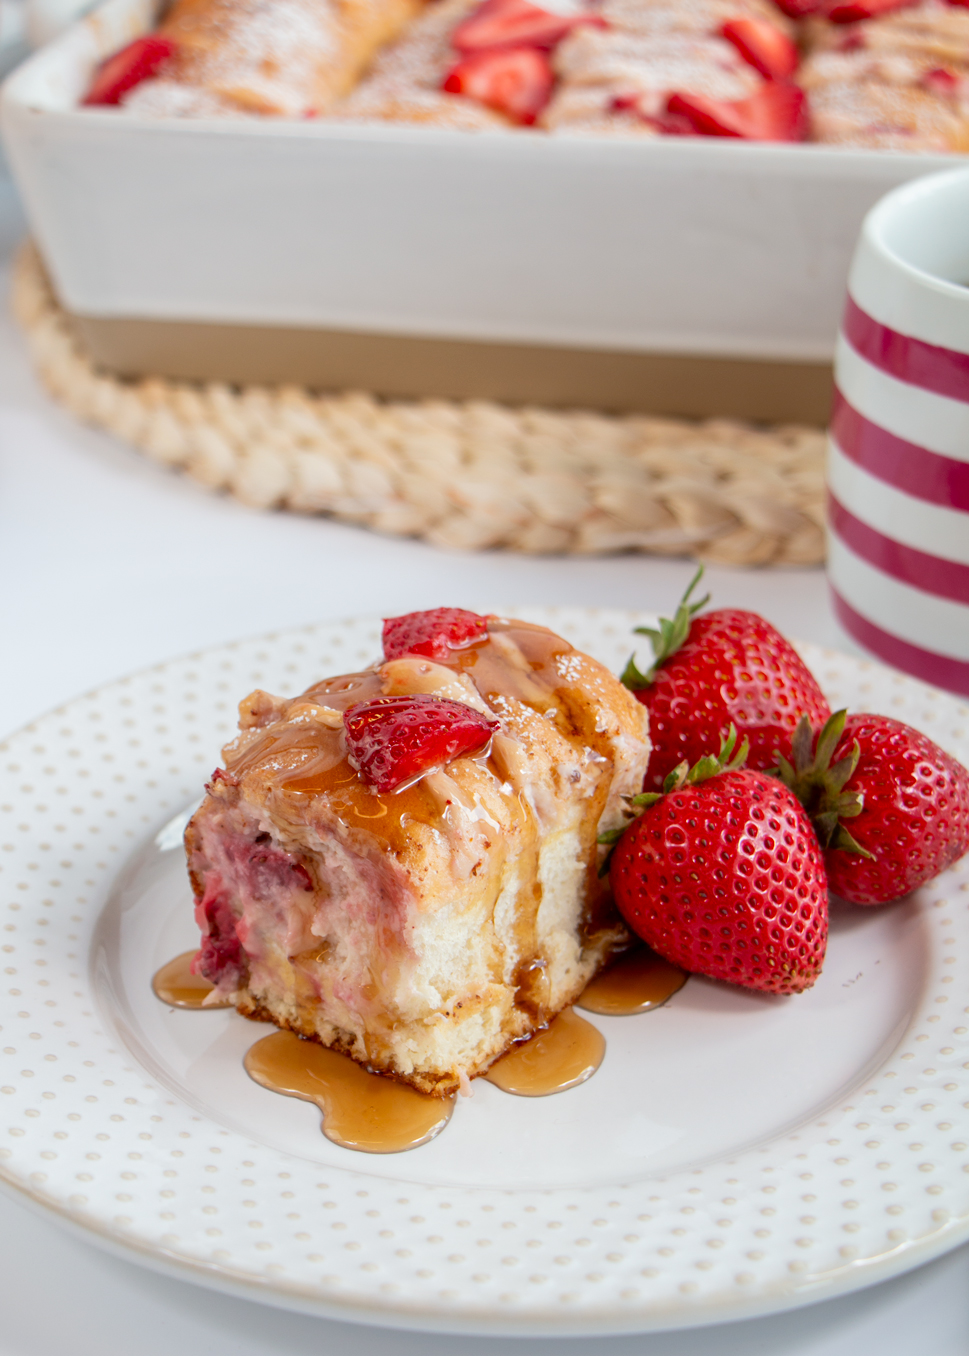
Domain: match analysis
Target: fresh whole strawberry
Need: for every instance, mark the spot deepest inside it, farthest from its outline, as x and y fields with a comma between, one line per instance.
x=433, y=634
x=725, y=667
x=723, y=875
x=125, y=69
x=908, y=801
x=392, y=740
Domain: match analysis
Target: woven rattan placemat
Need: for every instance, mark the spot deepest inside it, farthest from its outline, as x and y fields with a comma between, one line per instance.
x=458, y=474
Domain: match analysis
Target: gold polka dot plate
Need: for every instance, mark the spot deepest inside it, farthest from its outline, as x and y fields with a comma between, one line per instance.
x=735, y=1154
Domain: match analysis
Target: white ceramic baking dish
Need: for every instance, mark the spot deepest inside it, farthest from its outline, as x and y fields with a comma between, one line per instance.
x=666, y=246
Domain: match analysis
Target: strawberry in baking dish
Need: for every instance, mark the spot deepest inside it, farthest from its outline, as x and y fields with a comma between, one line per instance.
x=681, y=67
x=517, y=23
x=765, y=46
x=516, y=81
x=504, y=62
x=121, y=72
x=777, y=112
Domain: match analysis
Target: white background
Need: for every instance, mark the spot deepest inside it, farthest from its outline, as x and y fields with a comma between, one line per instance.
x=109, y=563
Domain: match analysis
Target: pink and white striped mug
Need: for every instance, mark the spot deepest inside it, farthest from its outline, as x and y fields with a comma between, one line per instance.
x=898, y=461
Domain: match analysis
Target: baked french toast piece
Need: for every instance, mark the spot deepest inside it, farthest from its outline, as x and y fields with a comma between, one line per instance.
x=290, y=58
x=899, y=81
x=425, y=929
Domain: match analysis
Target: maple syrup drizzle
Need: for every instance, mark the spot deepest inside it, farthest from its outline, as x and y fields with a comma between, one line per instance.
x=361, y=1110
x=566, y=1053
x=375, y=1114
x=367, y=1111
x=175, y=985
x=636, y=982
x=515, y=660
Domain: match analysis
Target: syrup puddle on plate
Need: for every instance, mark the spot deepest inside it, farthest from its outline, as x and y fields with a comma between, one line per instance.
x=637, y=982
x=565, y=1054
x=375, y=1114
x=361, y=1110
x=175, y=985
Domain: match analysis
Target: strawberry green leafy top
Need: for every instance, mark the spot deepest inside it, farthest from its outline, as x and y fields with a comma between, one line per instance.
x=667, y=639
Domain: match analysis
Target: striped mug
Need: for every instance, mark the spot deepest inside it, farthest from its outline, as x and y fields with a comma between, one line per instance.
x=898, y=460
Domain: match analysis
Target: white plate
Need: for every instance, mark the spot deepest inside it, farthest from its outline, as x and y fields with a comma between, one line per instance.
x=735, y=1154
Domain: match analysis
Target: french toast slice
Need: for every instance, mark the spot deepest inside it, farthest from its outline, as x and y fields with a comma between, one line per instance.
x=424, y=930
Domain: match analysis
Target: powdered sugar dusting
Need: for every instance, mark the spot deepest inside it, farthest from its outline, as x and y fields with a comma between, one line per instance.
x=164, y=98
x=897, y=81
x=271, y=57
x=876, y=83
x=266, y=56
x=626, y=63
x=649, y=51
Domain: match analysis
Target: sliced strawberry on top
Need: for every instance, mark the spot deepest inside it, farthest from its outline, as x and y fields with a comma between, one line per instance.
x=777, y=112
x=394, y=739
x=516, y=81
x=516, y=23
x=139, y=61
x=853, y=11
x=763, y=46
x=435, y=633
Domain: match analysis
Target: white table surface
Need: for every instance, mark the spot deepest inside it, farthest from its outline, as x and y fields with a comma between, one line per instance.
x=109, y=563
